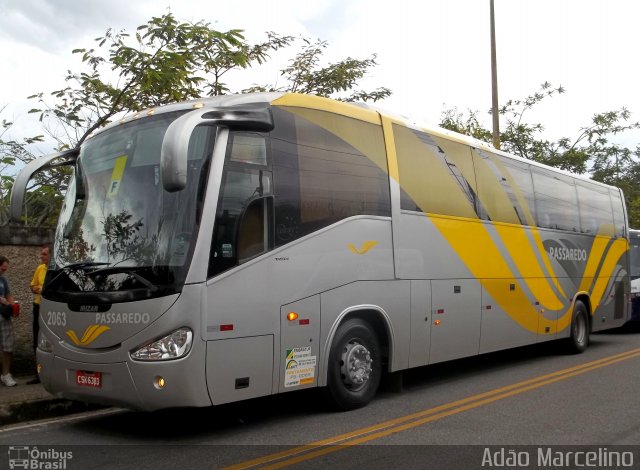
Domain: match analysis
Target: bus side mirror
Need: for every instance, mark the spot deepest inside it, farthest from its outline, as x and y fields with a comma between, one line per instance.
x=39, y=164
x=175, y=145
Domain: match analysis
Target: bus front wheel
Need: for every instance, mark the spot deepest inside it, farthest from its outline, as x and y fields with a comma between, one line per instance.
x=579, y=337
x=355, y=365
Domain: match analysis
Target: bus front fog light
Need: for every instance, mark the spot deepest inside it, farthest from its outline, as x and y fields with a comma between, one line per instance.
x=172, y=346
x=159, y=382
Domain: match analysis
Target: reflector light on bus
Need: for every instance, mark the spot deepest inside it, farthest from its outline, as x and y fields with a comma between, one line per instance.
x=159, y=382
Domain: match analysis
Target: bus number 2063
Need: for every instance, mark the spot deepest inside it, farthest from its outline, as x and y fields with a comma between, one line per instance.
x=56, y=318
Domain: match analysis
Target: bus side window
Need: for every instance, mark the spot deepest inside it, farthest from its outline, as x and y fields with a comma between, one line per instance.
x=619, y=220
x=243, y=219
x=326, y=168
x=556, y=197
x=253, y=231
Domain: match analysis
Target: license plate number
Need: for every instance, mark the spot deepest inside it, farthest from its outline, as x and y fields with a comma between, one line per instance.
x=89, y=379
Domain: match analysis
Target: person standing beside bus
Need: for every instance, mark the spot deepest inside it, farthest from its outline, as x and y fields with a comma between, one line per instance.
x=6, y=327
x=36, y=287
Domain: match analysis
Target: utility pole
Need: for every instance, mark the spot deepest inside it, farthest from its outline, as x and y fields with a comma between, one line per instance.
x=494, y=82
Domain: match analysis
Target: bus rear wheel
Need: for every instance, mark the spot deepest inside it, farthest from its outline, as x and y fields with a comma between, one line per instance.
x=355, y=365
x=579, y=337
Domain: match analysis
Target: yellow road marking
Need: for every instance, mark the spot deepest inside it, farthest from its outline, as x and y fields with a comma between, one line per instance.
x=333, y=444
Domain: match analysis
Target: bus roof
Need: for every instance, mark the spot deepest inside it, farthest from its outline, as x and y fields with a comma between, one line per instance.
x=361, y=111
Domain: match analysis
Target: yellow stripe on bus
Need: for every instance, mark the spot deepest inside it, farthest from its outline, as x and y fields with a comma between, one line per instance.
x=618, y=248
x=473, y=244
x=546, y=261
x=517, y=243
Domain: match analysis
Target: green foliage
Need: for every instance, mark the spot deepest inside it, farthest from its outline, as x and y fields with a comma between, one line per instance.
x=12, y=152
x=591, y=152
x=456, y=121
x=337, y=80
x=168, y=61
x=164, y=61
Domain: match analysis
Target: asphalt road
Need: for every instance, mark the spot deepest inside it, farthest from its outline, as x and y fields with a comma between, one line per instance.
x=463, y=414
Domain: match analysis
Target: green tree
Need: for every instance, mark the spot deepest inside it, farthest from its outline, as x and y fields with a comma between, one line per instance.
x=43, y=201
x=337, y=80
x=163, y=62
x=591, y=152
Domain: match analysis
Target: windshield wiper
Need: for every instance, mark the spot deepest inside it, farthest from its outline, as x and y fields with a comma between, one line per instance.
x=129, y=271
x=82, y=265
x=74, y=267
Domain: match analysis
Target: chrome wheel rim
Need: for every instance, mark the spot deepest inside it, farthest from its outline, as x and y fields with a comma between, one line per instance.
x=355, y=365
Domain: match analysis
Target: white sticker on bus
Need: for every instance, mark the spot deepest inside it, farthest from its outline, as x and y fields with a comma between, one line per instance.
x=300, y=367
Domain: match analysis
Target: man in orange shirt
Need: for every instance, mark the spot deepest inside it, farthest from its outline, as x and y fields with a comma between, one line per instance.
x=36, y=287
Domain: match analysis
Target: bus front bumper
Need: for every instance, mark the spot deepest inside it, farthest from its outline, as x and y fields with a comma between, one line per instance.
x=144, y=386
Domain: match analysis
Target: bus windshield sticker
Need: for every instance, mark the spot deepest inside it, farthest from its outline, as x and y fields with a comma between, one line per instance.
x=300, y=367
x=116, y=176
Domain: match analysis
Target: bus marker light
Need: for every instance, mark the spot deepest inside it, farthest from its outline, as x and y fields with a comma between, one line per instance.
x=226, y=327
x=437, y=322
x=291, y=316
x=39, y=368
x=304, y=322
x=440, y=311
x=159, y=382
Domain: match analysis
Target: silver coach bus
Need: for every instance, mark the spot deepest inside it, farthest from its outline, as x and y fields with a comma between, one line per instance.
x=246, y=245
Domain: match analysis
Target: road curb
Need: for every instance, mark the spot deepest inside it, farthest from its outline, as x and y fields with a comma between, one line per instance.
x=13, y=413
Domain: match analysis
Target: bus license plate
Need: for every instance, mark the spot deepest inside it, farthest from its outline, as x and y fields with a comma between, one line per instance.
x=89, y=379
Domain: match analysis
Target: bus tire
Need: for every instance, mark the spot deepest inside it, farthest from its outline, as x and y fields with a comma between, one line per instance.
x=355, y=365
x=579, y=338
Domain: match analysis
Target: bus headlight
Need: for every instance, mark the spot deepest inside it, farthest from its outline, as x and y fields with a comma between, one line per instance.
x=44, y=344
x=172, y=346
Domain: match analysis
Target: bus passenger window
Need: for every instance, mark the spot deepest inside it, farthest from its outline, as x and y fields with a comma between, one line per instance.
x=326, y=168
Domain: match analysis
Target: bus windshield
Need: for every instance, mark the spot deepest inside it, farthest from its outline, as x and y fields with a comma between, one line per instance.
x=119, y=230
